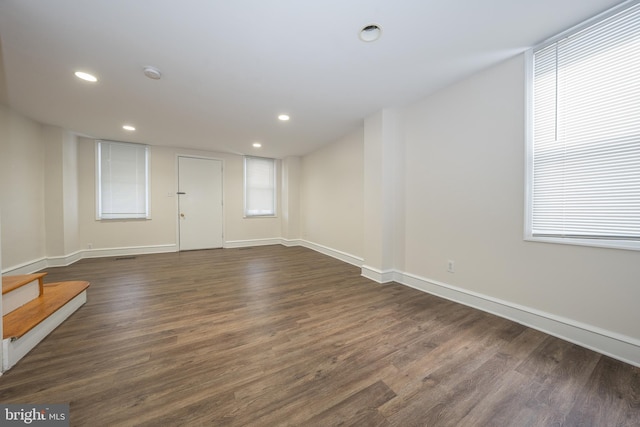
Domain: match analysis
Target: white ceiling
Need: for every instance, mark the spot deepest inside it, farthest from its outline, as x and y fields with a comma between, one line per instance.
x=230, y=67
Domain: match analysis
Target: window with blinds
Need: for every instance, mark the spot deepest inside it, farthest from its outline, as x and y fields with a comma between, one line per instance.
x=122, y=180
x=259, y=186
x=584, y=142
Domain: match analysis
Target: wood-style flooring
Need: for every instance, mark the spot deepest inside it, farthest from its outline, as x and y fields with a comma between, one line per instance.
x=275, y=336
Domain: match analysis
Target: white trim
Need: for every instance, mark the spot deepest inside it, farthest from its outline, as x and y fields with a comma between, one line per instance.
x=342, y=256
x=130, y=250
x=27, y=267
x=231, y=244
x=291, y=242
x=378, y=275
x=62, y=261
x=630, y=245
x=528, y=142
x=618, y=346
x=13, y=351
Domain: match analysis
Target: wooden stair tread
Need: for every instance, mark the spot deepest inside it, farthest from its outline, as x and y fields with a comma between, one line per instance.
x=56, y=295
x=10, y=283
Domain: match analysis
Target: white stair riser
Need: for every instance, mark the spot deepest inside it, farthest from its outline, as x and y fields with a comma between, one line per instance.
x=15, y=350
x=20, y=296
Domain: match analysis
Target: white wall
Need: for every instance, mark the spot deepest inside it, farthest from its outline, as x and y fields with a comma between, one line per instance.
x=465, y=202
x=160, y=232
x=47, y=196
x=383, y=196
x=290, y=199
x=332, y=195
x=21, y=189
x=60, y=191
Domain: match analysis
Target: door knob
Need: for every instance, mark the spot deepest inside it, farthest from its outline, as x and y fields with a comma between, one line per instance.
x=181, y=215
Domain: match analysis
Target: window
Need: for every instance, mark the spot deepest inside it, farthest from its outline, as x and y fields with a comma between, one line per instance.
x=122, y=180
x=259, y=186
x=583, y=154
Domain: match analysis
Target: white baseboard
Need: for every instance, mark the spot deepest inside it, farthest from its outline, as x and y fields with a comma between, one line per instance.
x=342, y=256
x=129, y=250
x=27, y=267
x=13, y=351
x=232, y=244
x=291, y=242
x=63, y=261
x=378, y=275
x=617, y=346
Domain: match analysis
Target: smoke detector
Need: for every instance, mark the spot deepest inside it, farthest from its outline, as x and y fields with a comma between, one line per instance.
x=152, y=73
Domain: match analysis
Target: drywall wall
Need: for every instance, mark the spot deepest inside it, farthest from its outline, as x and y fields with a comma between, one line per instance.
x=383, y=151
x=465, y=202
x=21, y=189
x=332, y=195
x=160, y=232
x=290, y=198
x=238, y=229
x=60, y=191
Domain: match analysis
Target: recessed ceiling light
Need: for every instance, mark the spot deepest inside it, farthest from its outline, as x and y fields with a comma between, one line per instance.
x=370, y=33
x=257, y=145
x=128, y=127
x=152, y=73
x=283, y=117
x=86, y=76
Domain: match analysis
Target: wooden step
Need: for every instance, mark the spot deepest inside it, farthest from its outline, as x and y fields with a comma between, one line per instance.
x=11, y=283
x=19, y=290
x=55, y=295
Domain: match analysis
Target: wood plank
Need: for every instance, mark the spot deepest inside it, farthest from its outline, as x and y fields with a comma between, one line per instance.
x=287, y=336
x=23, y=319
x=10, y=283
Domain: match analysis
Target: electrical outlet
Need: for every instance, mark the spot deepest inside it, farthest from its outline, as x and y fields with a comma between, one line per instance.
x=451, y=267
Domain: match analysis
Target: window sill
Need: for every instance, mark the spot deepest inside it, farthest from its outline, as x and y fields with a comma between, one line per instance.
x=630, y=245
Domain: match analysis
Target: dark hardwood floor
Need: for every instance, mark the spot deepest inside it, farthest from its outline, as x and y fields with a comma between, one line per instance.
x=272, y=336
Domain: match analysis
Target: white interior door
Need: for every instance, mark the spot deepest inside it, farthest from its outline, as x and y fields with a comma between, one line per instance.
x=199, y=203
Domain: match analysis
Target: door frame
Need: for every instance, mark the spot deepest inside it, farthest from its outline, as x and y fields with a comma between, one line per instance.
x=177, y=199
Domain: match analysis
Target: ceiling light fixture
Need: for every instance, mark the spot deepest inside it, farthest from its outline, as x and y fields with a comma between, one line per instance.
x=128, y=127
x=152, y=73
x=370, y=33
x=283, y=117
x=86, y=76
x=256, y=145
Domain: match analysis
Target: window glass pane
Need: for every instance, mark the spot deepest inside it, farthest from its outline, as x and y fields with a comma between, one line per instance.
x=122, y=180
x=585, y=175
x=259, y=186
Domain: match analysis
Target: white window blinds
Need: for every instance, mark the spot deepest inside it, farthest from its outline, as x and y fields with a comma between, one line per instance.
x=259, y=186
x=586, y=132
x=122, y=180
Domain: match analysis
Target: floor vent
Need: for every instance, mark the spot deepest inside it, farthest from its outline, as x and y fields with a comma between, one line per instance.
x=120, y=258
